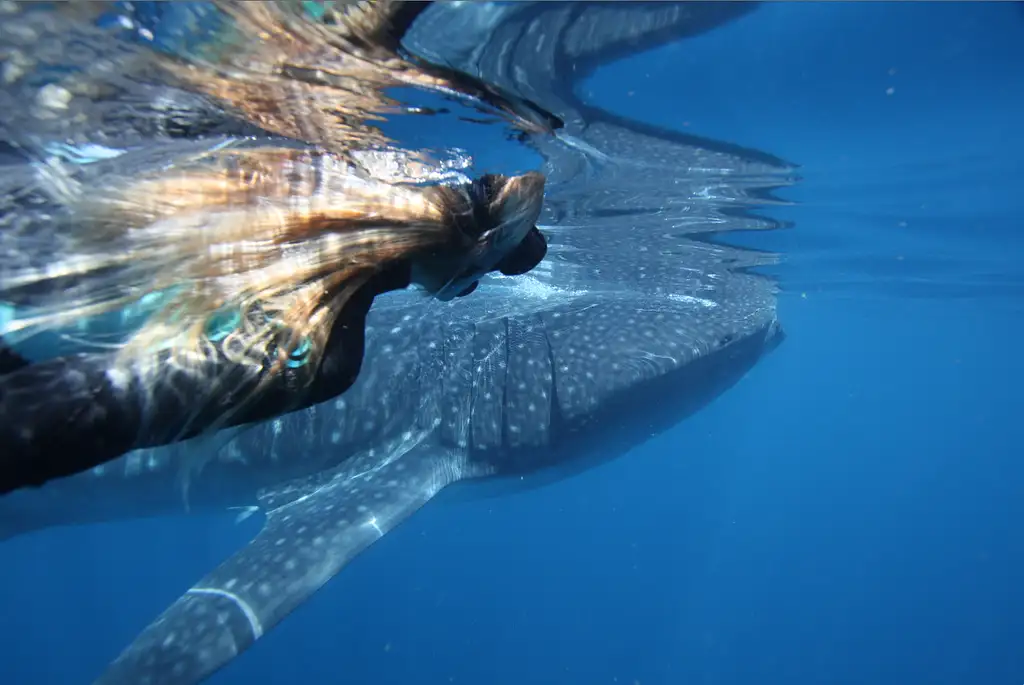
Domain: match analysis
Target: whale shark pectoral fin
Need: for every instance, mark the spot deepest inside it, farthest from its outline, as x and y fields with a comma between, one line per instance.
x=312, y=530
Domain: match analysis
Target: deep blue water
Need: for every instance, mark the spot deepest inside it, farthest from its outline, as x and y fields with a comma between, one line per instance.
x=847, y=514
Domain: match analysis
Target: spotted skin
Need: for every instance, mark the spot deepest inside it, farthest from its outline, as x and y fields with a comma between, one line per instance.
x=471, y=394
x=309, y=534
x=629, y=325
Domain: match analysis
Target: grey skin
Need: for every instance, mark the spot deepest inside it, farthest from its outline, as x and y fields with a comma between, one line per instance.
x=625, y=329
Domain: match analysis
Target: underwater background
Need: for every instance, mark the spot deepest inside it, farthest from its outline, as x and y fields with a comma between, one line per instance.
x=848, y=513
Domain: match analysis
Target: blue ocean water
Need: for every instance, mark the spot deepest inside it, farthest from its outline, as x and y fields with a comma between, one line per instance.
x=845, y=514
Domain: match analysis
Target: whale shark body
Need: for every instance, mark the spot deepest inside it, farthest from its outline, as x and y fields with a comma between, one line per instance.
x=633, y=322
x=512, y=384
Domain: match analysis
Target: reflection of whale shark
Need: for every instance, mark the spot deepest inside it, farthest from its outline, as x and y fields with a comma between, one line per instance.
x=628, y=327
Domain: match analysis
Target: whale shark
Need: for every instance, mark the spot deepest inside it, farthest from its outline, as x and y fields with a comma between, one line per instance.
x=513, y=384
x=532, y=379
x=638, y=317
